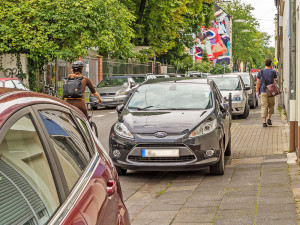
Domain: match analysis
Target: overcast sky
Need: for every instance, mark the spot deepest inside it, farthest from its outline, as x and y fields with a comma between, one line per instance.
x=264, y=12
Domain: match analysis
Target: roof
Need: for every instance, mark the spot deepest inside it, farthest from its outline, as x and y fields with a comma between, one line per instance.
x=191, y=80
x=119, y=76
x=12, y=100
x=3, y=79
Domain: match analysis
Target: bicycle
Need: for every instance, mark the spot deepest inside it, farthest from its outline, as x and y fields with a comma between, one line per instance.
x=92, y=124
x=50, y=90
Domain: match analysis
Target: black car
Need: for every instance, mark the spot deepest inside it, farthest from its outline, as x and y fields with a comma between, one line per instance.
x=172, y=124
x=250, y=81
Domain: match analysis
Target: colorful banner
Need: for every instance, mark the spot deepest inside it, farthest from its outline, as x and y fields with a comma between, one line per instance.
x=214, y=40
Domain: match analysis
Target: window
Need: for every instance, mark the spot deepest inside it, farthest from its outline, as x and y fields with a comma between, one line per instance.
x=28, y=193
x=19, y=85
x=1, y=84
x=69, y=144
x=85, y=129
x=9, y=84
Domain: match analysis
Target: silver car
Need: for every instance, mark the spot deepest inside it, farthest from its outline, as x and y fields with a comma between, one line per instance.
x=114, y=91
x=233, y=83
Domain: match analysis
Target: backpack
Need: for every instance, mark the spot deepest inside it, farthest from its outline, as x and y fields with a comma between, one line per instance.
x=72, y=88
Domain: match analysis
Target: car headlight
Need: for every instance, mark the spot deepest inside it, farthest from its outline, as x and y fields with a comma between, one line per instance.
x=249, y=91
x=122, y=130
x=204, y=128
x=238, y=98
x=123, y=93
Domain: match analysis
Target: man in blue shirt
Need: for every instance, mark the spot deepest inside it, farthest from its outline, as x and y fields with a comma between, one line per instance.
x=266, y=77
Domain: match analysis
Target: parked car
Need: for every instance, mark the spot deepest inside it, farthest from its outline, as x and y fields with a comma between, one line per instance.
x=173, y=124
x=12, y=83
x=233, y=83
x=114, y=91
x=250, y=81
x=140, y=78
x=52, y=167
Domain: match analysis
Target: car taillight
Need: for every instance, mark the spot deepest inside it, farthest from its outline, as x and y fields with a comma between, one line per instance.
x=111, y=187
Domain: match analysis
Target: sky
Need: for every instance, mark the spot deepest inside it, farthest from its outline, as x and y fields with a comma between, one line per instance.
x=264, y=12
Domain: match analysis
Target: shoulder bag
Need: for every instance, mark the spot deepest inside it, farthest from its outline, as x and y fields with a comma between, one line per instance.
x=272, y=89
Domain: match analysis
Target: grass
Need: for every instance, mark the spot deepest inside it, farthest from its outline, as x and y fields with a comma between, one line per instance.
x=163, y=191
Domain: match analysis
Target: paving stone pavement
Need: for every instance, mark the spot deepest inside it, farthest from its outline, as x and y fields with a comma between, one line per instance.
x=257, y=187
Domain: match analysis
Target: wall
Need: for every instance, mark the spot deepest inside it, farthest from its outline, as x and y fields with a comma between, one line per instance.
x=9, y=62
x=286, y=54
x=216, y=40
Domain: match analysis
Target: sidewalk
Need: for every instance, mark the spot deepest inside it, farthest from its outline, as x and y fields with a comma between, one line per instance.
x=256, y=189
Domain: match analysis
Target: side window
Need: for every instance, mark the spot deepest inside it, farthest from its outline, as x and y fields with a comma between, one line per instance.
x=68, y=142
x=85, y=129
x=218, y=94
x=1, y=84
x=9, y=84
x=28, y=193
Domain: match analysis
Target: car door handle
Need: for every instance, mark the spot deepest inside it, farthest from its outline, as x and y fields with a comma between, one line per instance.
x=111, y=187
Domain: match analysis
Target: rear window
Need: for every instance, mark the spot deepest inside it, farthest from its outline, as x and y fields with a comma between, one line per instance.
x=9, y=84
x=19, y=85
x=227, y=83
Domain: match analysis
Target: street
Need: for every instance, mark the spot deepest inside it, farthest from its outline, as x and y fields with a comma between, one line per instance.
x=254, y=190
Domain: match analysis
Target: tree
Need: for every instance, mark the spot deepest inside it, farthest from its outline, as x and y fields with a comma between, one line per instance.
x=248, y=42
x=64, y=29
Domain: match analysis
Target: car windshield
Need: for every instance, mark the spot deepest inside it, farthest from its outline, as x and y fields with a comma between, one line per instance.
x=173, y=96
x=19, y=85
x=246, y=79
x=139, y=80
x=113, y=82
x=227, y=83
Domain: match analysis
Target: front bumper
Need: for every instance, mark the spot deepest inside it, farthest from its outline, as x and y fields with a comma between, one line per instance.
x=192, y=152
x=109, y=101
x=238, y=107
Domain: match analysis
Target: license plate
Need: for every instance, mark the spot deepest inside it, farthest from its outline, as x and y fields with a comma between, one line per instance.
x=107, y=99
x=160, y=152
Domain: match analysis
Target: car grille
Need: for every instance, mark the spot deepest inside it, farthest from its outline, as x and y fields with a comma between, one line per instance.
x=107, y=94
x=187, y=158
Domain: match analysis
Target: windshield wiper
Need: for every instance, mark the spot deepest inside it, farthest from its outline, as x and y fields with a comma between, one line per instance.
x=139, y=108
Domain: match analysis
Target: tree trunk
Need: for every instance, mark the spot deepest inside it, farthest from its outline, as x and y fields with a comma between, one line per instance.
x=141, y=11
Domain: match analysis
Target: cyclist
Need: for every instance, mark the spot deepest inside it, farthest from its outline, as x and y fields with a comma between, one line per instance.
x=77, y=68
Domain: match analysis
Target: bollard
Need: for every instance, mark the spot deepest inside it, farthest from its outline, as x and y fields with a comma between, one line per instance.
x=230, y=104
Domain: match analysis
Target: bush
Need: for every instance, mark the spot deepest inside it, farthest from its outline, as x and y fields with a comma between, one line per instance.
x=219, y=69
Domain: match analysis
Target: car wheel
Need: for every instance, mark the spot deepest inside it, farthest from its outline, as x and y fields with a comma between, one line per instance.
x=121, y=171
x=219, y=167
x=228, y=148
x=246, y=112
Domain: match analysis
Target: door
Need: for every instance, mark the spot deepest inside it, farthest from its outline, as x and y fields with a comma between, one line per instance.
x=86, y=176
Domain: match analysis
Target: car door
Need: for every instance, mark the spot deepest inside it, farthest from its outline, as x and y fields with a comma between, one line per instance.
x=225, y=115
x=86, y=175
x=31, y=187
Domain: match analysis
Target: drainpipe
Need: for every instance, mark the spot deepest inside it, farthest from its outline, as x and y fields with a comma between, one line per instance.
x=292, y=111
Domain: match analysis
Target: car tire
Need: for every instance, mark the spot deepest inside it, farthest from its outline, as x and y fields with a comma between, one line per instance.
x=219, y=167
x=246, y=112
x=228, y=148
x=121, y=171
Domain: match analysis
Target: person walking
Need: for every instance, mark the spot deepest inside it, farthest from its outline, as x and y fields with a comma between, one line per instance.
x=266, y=77
x=77, y=68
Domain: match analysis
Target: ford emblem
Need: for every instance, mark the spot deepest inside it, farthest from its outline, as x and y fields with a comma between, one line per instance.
x=160, y=134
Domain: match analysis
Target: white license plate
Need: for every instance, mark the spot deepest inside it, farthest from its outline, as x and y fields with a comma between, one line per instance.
x=160, y=152
x=107, y=99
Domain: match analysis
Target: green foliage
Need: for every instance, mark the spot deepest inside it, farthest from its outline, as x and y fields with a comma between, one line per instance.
x=205, y=56
x=219, y=69
x=203, y=66
x=249, y=44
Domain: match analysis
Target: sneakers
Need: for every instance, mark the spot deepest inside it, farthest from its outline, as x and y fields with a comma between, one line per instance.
x=269, y=122
x=265, y=125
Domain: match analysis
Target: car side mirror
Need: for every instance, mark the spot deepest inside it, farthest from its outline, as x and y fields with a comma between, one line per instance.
x=119, y=109
x=247, y=87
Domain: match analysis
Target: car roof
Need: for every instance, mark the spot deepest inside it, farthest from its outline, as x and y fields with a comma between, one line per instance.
x=119, y=76
x=4, y=79
x=139, y=75
x=224, y=75
x=12, y=100
x=191, y=80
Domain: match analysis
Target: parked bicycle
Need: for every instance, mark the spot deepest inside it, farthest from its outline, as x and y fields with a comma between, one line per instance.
x=92, y=124
x=50, y=90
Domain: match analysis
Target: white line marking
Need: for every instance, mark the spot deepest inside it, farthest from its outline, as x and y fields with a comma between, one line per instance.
x=112, y=112
x=98, y=116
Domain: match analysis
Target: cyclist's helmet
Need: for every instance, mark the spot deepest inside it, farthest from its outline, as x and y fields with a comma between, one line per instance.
x=77, y=64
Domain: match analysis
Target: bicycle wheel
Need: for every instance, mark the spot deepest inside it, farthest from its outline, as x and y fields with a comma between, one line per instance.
x=94, y=128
